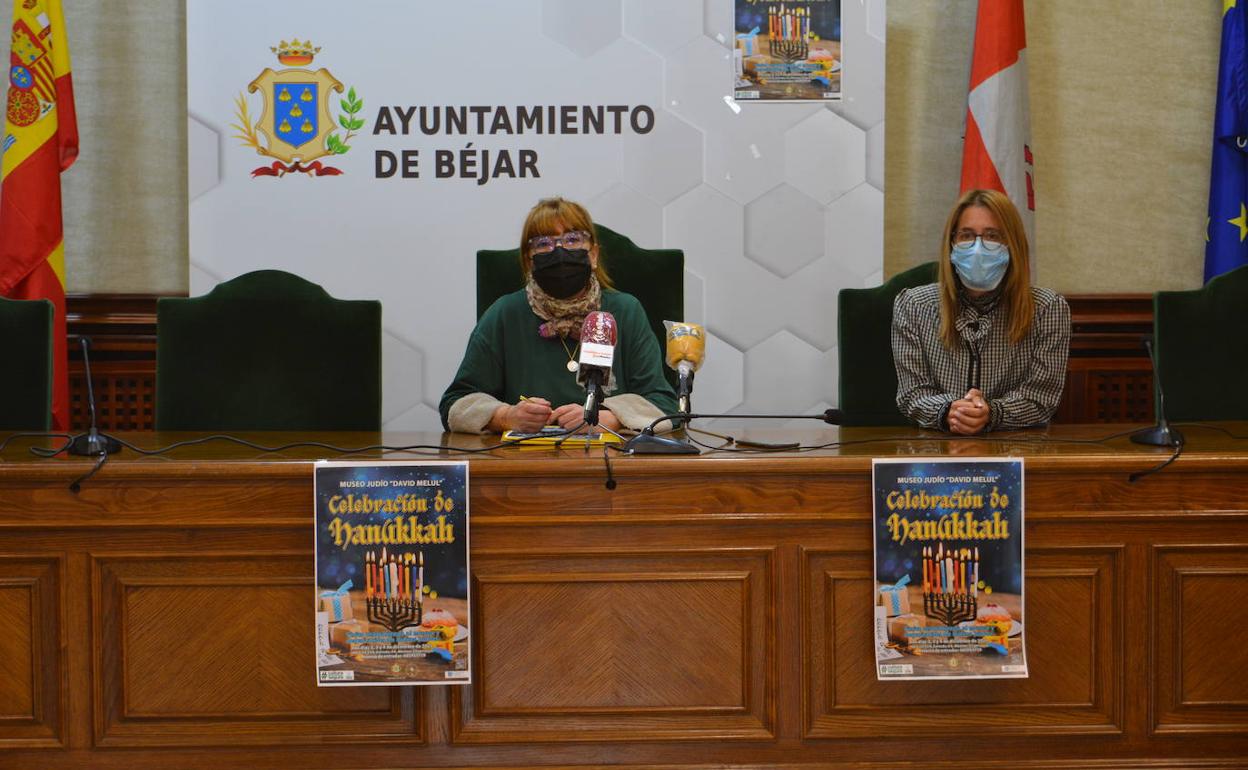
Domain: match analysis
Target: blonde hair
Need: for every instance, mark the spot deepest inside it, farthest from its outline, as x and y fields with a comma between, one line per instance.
x=1015, y=286
x=552, y=215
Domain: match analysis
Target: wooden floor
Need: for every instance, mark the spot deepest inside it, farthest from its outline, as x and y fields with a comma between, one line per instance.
x=709, y=611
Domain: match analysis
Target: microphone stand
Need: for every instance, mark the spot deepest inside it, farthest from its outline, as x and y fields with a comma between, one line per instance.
x=646, y=443
x=593, y=397
x=1161, y=434
x=92, y=443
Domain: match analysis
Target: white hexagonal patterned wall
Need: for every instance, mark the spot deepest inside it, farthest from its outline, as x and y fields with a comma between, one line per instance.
x=783, y=230
x=776, y=206
x=584, y=27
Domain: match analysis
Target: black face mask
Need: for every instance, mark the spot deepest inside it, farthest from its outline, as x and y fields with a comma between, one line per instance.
x=562, y=273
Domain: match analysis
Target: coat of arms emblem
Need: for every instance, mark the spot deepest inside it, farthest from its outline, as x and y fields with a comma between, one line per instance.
x=296, y=127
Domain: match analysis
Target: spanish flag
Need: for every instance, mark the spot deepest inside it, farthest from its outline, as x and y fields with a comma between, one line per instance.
x=40, y=141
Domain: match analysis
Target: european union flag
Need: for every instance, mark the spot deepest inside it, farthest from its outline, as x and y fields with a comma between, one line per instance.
x=1227, y=247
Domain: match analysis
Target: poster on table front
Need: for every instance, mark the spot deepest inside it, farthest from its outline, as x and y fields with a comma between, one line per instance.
x=949, y=569
x=392, y=603
x=787, y=51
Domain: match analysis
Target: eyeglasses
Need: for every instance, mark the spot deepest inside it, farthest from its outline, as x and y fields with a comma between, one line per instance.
x=994, y=240
x=542, y=244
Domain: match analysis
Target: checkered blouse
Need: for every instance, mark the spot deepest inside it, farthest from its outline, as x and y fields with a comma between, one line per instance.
x=1022, y=383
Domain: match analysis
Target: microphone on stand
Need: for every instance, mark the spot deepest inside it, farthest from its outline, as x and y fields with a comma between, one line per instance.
x=686, y=348
x=92, y=443
x=598, y=336
x=1161, y=434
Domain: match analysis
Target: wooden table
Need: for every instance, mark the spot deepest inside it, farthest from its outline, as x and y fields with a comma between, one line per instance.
x=709, y=611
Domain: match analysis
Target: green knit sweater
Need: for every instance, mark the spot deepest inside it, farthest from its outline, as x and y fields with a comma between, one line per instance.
x=507, y=358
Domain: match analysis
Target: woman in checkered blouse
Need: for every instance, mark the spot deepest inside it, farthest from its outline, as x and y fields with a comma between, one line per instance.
x=982, y=349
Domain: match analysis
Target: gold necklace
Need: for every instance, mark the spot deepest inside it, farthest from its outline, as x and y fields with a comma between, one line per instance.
x=572, y=365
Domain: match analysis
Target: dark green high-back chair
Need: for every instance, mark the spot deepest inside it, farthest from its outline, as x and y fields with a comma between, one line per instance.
x=656, y=277
x=868, y=379
x=1202, y=349
x=26, y=349
x=268, y=350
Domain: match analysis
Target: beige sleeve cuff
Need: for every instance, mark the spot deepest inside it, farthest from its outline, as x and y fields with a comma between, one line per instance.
x=635, y=412
x=472, y=413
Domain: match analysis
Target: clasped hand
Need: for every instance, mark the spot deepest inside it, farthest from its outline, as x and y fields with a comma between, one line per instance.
x=532, y=414
x=969, y=414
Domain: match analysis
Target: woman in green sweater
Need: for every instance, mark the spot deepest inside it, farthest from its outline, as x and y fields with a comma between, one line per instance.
x=519, y=371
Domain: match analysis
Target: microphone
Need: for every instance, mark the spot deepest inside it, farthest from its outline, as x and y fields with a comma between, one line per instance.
x=686, y=347
x=1161, y=434
x=92, y=443
x=598, y=336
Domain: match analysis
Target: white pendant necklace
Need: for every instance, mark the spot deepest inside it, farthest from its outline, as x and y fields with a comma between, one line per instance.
x=572, y=365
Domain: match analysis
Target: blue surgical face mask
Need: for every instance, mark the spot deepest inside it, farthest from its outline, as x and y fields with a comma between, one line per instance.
x=979, y=268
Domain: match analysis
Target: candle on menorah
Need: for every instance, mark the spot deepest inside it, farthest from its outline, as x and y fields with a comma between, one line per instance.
x=975, y=575
x=788, y=33
x=952, y=595
x=390, y=601
x=926, y=582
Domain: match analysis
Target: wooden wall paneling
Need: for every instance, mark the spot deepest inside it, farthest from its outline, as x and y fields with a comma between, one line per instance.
x=620, y=646
x=1107, y=390
x=1073, y=635
x=708, y=612
x=125, y=395
x=32, y=704
x=199, y=649
x=1200, y=662
x=1109, y=377
x=122, y=330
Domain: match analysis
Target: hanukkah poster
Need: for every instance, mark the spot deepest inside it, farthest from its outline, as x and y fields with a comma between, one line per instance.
x=391, y=593
x=787, y=51
x=948, y=583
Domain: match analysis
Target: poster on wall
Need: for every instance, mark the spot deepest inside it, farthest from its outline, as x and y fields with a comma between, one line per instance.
x=948, y=568
x=788, y=51
x=392, y=604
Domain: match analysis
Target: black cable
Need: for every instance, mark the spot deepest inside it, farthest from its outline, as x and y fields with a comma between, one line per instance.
x=1207, y=426
x=569, y=433
x=936, y=437
x=724, y=447
x=39, y=451
x=1178, y=449
x=323, y=445
x=606, y=459
x=1132, y=478
x=76, y=485
x=5, y=443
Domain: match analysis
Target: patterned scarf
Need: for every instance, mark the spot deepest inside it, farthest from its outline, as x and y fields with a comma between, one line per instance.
x=563, y=317
x=973, y=322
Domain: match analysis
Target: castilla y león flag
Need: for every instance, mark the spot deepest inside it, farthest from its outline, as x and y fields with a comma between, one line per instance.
x=40, y=141
x=996, y=153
